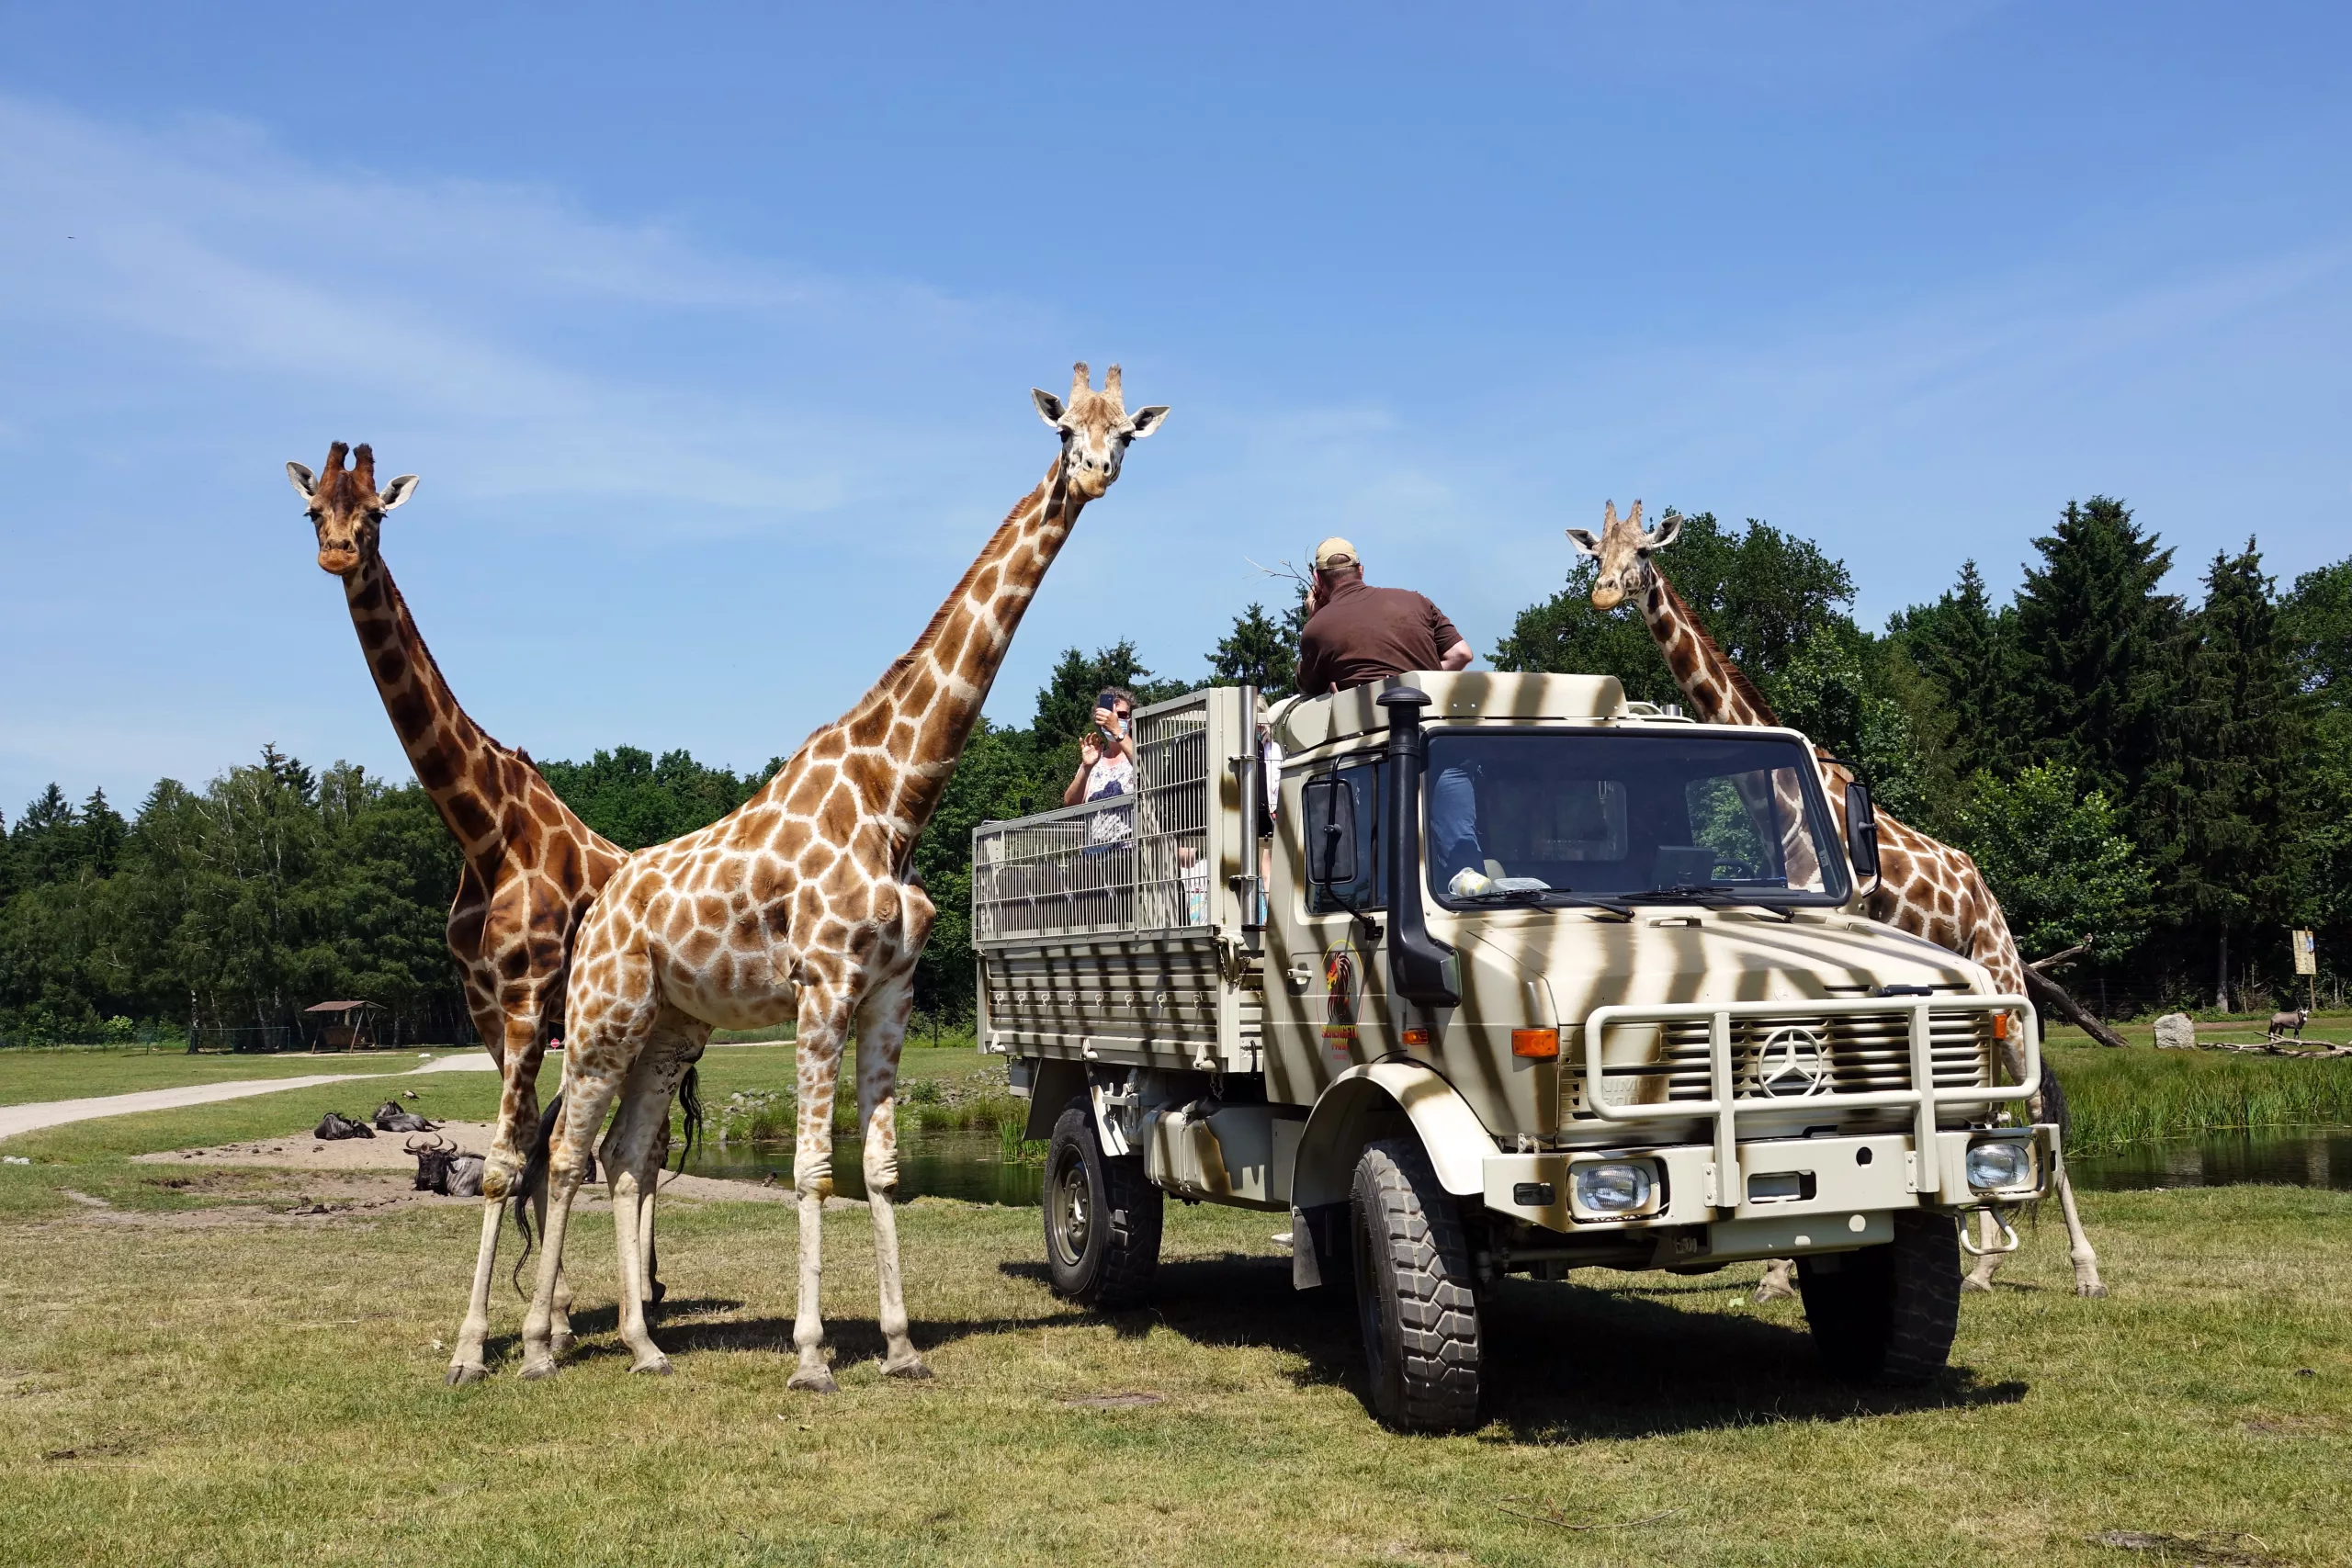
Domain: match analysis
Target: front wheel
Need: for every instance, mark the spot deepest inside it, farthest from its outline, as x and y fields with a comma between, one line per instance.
x=1887, y=1314
x=1102, y=1218
x=1416, y=1297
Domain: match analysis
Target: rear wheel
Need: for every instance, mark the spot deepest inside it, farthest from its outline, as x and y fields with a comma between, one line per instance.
x=1414, y=1298
x=1887, y=1314
x=1102, y=1218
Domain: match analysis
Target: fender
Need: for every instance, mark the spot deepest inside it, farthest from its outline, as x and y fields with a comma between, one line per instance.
x=1379, y=1100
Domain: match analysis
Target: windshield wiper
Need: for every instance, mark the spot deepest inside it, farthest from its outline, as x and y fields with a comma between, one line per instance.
x=1716, y=896
x=1547, y=898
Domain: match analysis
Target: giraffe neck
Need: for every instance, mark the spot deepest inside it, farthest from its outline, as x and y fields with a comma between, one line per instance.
x=444, y=744
x=923, y=708
x=1719, y=691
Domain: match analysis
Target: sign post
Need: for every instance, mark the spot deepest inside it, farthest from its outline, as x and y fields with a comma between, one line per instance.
x=2307, y=964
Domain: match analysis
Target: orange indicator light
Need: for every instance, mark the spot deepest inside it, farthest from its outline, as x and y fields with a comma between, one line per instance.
x=1537, y=1045
x=2000, y=1026
x=1417, y=1037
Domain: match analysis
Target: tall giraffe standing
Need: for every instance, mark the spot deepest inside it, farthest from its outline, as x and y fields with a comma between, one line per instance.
x=532, y=868
x=799, y=903
x=1926, y=887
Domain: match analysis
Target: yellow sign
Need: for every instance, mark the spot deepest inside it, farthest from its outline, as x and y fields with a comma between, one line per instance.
x=2306, y=960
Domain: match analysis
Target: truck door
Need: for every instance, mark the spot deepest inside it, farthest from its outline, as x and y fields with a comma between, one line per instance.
x=1327, y=1009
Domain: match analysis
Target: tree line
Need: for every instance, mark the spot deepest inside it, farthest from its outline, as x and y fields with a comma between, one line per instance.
x=2166, y=785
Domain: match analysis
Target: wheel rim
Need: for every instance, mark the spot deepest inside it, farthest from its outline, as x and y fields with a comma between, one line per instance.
x=1072, y=1207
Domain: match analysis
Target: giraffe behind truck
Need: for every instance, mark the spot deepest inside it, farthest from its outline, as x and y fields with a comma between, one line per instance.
x=1635, y=1019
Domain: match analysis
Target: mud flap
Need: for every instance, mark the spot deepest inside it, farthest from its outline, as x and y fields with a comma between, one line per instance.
x=1311, y=1234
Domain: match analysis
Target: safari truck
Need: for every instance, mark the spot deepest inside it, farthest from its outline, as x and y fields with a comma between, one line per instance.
x=1480, y=974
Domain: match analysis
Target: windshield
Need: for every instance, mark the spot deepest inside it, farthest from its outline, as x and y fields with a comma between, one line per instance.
x=1528, y=816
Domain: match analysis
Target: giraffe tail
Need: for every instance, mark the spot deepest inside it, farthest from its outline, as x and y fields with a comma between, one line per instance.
x=533, y=1185
x=690, y=1110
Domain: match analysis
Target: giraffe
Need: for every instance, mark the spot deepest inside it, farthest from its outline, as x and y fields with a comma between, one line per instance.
x=800, y=904
x=1925, y=888
x=531, y=867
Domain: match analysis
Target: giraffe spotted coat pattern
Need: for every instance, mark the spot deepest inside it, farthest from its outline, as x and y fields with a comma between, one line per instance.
x=531, y=866
x=799, y=905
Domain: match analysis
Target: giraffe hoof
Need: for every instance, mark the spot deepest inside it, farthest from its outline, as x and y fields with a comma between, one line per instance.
x=913, y=1368
x=812, y=1379
x=2092, y=1292
x=562, y=1341
x=543, y=1367
x=464, y=1372
x=657, y=1368
x=1971, y=1283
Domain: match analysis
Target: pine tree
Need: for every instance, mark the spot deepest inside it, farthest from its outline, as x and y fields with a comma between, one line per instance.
x=2243, y=725
x=103, y=831
x=1957, y=643
x=1261, y=652
x=47, y=839
x=1066, y=703
x=2094, y=672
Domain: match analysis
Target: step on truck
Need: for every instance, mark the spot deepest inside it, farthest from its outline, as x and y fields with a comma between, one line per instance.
x=1481, y=974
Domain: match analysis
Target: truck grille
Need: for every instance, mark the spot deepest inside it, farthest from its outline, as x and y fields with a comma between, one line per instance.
x=1789, y=1057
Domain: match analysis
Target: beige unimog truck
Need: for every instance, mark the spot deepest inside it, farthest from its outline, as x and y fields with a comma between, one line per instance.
x=1478, y=974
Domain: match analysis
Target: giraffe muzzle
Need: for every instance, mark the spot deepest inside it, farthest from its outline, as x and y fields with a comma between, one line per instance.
x=338, y=560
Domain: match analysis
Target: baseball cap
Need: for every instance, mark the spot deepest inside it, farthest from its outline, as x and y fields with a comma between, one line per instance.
x=1336, y=551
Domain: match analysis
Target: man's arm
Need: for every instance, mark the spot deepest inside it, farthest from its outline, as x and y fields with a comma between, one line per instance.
x=1457, y=654
x=1313, y=681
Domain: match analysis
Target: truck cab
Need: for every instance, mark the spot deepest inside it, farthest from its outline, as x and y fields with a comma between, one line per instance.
x=1474, y=975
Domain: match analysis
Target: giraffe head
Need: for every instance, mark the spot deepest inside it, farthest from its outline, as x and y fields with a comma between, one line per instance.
x=344, y=508
x=1095, y=428
x=1623, y=552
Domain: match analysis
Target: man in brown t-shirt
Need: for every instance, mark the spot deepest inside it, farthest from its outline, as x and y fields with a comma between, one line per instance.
x=1356, y=633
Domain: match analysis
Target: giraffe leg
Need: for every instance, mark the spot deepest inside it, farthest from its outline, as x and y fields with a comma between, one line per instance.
x=881, y=1030
x=514, y=1022
x=2078, y=1241
x=1779, y=1282
x=630, y=1168
x=586, y=1098
x=824, y=1022
x=1988, y=1262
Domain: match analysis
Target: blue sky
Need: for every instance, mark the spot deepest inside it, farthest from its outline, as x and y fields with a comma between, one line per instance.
x=711, y=330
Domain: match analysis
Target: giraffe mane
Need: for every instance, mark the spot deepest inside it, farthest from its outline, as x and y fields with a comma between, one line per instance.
x=1739, y=681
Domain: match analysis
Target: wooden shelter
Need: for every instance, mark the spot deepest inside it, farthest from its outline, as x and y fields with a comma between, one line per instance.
x=344, y=1026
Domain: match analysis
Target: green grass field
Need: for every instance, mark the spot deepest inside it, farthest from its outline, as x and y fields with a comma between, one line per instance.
x=198, y=1374
x=178, y=1391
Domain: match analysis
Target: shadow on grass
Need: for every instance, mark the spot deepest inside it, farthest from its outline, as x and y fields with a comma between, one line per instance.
x=1566, y=1361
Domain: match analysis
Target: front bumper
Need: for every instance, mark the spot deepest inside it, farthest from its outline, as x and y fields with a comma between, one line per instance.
x=1840, y=1192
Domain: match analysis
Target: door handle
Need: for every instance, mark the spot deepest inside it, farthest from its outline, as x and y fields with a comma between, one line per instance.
x=1301, y=976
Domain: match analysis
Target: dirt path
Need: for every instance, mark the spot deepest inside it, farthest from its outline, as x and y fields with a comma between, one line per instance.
x=15, y=1119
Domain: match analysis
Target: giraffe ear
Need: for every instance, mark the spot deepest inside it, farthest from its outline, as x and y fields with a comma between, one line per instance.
x=1049, y=407
x=305, y=483
x=1143, y=421
x=400, y=490
x=1669, y=528
x=1584, y=542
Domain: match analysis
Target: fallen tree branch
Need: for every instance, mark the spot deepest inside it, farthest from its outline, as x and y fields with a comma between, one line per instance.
x=2055, y=959
x=2052, y=997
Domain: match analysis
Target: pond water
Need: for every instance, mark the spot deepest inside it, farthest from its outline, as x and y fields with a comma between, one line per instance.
x=2319, y=1157
x=965, y=1165
x=969, y=1164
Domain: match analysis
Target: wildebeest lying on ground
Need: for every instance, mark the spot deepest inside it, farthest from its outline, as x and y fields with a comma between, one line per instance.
x=440, y=1167
x=335, y=1125
x=391, y=1118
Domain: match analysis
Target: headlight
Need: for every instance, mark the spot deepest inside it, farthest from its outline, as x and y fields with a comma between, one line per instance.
x=1618, y=1188
x=1994, y=1165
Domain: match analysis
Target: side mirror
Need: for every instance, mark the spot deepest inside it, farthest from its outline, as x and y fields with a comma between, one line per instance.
x=1862, y=830
x=1328, y=813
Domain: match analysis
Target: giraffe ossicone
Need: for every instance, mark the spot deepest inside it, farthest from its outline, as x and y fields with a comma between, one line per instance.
x=798, y=905
x=1925, y=888
x=531, y=868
